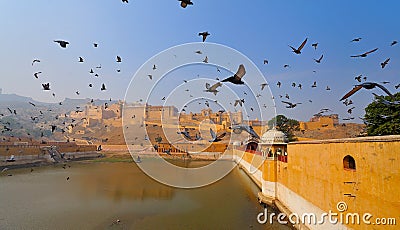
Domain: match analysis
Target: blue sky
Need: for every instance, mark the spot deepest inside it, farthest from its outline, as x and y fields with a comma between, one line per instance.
x=259, y=29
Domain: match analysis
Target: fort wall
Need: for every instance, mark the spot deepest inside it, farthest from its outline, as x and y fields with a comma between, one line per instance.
x=317, y=176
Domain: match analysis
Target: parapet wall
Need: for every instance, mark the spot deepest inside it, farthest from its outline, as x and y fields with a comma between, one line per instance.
x=316, y=178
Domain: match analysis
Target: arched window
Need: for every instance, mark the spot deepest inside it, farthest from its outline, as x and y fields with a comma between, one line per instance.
x=349, y=162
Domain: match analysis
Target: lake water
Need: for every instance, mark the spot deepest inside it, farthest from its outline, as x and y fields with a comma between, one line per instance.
x=97, y=194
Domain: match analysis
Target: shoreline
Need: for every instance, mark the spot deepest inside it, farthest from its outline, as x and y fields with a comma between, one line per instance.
x=100, y=157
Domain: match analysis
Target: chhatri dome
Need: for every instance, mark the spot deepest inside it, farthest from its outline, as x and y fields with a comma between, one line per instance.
x=273, y=136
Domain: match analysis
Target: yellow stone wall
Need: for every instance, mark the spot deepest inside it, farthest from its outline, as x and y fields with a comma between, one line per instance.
x=315, y=172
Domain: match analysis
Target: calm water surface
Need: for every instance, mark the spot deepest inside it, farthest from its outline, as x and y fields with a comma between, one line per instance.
x=97, y=194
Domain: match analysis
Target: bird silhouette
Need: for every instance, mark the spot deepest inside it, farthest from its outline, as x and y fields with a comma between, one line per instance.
x=263, y=85
x=286, y=66
x=213, y=88
x=279, y=84
x=356, y=40
x=95, y=44
x=154, y=67
x=397, y=86
x=80, y=59
x=366, y=85
x=215, y=137
x=290, y=105
x=265, y=61
x=205, y=60
x=204, y=34
x=35, y=60
x=118, y=59
x=298, y=50
x=237, y=78
x=319, y=60
x=248, y=128
x=239, y=101
x=46, y=86
x=125, y=1
x=91, y=71
x=314, y=45
x=358, y=78
x=103, y=87
x=150, y=76
x=365, y=54
x=185, y=3
x=393, y=43
x=37, y=74
x=62, y=43
x=314, y=84
x=383, y=64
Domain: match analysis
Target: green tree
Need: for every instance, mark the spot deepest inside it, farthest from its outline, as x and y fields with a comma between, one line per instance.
x=286, y=125
x=382, y=116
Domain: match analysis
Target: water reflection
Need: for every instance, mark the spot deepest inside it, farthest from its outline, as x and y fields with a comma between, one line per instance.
x=97, y=194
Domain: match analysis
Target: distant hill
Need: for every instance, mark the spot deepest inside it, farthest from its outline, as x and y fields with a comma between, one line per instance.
x=14, y=100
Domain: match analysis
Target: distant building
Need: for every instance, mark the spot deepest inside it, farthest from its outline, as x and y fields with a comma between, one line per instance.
x=320, y=122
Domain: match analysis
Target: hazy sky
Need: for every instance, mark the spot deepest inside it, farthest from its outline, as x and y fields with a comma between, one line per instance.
x=259, y=29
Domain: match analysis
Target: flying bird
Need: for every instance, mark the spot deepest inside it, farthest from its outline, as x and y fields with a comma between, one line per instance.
x=103, y=87
x=237, y=78
x=365, y=54
x=248, y=128
x=213, y=88
x=214, y=136
x=279, y=84
x=150, y=76
x=393, y=43
x=204, y=34
x=95, y=44
x=37, y=74
x=349, y=111
x=358, y=78
x=154, y=67
x=185, y=3
x=62, y=43
x=319, y=60
x=205, y=60
x=290, y=105
x=383, y=64
x=314, y=45
x=198, y=52
x=298, y=50
x=36, y=60
x=46, y=86
x=366, y=85
x=265, y=61
x=314, y=84
x=285, y=66
x=240, y=102
x=356, y=40
x=32, y=104
x=263, y=85
x=118, y=59
x=80, y=59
